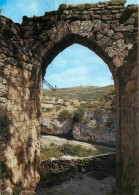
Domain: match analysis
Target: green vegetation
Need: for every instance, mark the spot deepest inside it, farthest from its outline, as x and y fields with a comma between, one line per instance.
x=95, y=98
x=64, y=115
x=106, y=102
x=109, y=124
x=48, y=109
x=86, y=105
x=79, y=93
x=58, y=108
x=67, y=149
x=78, y=115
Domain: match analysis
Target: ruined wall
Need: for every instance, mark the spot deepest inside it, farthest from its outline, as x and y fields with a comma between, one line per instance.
x=104, y=164
x=110, y=30
x=19, y=109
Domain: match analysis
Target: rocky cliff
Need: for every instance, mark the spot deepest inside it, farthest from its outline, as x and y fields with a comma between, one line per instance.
x=82, y=120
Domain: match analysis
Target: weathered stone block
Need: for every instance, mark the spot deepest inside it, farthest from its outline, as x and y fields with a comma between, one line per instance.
x=88, y=12
x=85, y=27
x=118, y=35
x=115, y=11
x=106, y=17
x=66, y=12
x=2, y=56
x=96, y=17
x=117, y=2
x=117, y=16
x=102, y=12
x=124, y=28
x=85, y=17
x=74, y=27
x=134, y=72
x=118, y=60
x=110, y=33
x=130, y=86
x=63, y=6
x=2, y=90
x=115, y=7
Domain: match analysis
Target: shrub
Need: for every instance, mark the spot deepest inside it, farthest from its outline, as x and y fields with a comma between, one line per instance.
x=58, y=108
x=86, y=120
x=52, y=144
x=64, y=115
x=77, y=150
x=97, y=106
x=86, y=105
x=109, y=124
x=48, y=109
x=109, y=96
x=79, y=114
x=49, y=152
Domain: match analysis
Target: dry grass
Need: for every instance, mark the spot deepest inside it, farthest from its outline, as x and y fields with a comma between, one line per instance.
x=67, y=149
x=79, y=93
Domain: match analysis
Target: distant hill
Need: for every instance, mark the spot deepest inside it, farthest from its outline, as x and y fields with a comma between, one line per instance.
x=79, y=93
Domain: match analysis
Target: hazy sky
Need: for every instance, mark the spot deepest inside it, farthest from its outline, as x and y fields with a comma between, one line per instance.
x=76, y=65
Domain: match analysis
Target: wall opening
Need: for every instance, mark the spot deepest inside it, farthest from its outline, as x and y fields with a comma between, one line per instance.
x=80, y=108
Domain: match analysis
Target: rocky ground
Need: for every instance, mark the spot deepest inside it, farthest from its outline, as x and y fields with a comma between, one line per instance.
x=83, y=184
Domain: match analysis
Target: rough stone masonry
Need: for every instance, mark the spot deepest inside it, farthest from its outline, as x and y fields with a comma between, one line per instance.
x=110, y=30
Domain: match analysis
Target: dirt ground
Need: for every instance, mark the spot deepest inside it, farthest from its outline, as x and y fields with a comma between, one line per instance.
x=82, y=184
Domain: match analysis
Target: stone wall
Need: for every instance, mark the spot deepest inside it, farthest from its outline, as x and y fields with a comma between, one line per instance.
x=102, y=164
x=19, y=109
x=27, y=49
x=105, y=163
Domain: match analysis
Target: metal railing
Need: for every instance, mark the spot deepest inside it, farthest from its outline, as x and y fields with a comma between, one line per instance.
x=49, y=85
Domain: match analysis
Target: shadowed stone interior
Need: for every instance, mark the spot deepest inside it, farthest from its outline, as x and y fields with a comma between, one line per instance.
x=110, y=30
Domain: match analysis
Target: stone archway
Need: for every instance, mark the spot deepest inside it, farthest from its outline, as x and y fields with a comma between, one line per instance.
x=110, y=30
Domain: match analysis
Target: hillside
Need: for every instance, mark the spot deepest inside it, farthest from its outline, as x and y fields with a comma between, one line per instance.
x=86, y=120
x=78, y=93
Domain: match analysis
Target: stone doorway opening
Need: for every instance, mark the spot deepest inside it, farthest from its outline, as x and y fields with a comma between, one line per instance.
x=108, y=28
x=72, y=113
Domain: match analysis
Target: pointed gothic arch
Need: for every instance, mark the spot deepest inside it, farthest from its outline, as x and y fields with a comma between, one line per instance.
x=25, y=52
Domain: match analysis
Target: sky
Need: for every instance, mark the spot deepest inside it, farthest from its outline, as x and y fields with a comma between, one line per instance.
x=76, y=65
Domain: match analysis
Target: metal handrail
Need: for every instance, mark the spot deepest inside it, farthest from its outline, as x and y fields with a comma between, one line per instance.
x=49, y=85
